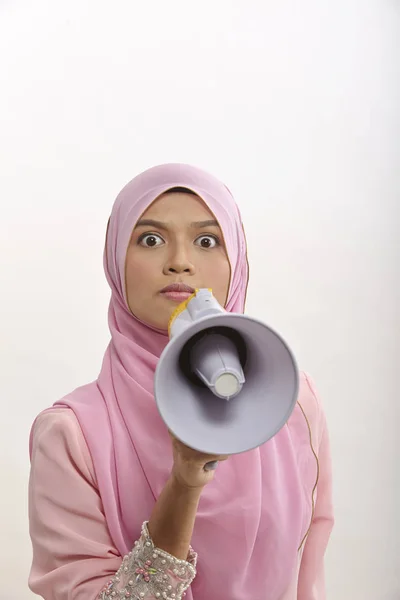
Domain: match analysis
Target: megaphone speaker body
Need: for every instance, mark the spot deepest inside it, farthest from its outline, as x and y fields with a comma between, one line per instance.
x=225, y=383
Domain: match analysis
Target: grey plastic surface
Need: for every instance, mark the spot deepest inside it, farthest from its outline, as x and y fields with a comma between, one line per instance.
x=212, y=425
x=215, y=360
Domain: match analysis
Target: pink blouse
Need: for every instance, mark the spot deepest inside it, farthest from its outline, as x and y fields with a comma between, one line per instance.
x=73, y=554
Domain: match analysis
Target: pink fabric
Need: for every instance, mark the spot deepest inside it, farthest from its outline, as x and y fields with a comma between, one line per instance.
x=74, y=555
x=253, y=517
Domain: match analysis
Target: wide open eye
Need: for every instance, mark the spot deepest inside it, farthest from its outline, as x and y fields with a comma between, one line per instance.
x=150, y=240
x=207, y=241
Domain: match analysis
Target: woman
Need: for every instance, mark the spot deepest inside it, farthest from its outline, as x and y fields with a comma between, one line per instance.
x=106, y=477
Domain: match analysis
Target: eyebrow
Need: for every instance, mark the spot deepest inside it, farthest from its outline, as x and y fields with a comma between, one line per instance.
x=161, y=225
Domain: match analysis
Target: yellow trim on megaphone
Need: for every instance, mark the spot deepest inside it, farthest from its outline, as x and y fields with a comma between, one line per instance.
x=181, y=308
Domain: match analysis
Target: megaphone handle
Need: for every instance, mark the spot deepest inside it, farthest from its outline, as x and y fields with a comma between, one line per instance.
x=211, y=466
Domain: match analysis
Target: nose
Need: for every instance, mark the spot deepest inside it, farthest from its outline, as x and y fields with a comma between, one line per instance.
x=179, y=262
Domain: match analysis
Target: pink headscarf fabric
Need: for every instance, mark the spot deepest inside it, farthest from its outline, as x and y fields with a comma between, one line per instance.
x=251, y=517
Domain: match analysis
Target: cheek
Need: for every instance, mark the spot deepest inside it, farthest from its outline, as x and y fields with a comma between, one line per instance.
x=217, y=271
x=138, y=273
x=223, y=271
x=133, y=271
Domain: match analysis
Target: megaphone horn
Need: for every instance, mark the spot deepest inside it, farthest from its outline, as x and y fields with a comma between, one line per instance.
x=225, y=383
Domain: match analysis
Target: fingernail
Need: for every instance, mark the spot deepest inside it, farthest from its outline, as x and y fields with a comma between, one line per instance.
x=211, y=466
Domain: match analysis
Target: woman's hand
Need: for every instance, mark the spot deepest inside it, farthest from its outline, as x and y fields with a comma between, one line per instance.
x=191, y=469
x=174, y=515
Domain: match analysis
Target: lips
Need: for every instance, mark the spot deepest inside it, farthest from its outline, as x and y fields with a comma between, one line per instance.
x=178, y=288
x=177, y=292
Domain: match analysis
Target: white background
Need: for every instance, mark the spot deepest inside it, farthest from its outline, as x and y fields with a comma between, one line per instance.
x=296, y=105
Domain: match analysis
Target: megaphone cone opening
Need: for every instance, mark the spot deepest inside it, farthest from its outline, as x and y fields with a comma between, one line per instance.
x=207, y=423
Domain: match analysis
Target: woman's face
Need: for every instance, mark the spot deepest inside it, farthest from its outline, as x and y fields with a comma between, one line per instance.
x=176, y=241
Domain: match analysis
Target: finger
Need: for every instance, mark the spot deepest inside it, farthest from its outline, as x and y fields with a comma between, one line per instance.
x=207, y=458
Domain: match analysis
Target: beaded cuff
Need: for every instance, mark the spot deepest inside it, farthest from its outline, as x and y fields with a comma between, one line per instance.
x=149, y=573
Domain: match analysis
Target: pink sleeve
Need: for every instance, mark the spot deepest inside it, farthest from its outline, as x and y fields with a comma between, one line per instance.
x=311, y=581
x=73, y=554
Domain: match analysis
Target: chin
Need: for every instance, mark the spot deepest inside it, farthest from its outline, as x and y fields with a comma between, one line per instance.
x=160, y=323
x=147, y=310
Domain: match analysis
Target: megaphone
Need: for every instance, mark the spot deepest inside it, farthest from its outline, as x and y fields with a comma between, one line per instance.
x=225, y=383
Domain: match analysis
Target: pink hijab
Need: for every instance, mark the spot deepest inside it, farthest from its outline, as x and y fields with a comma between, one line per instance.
x=251, y=517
